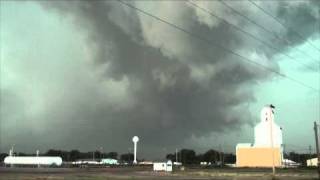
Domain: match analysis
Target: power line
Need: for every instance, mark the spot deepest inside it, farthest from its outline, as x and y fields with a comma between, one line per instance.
x=215, y=44
x=262, y=27
x=276, y=19
x=246, y=32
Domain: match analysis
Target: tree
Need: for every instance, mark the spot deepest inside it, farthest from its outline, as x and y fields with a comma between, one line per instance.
x=171, y=157
x=211, y=156
x=113, y=155
x=2, y=156
x=63, y=154
x=52, y=152
x=230, y=158
x=22, y=154
x=74, y=155
x=127, y=157
x=188, y=156
x=97, y=154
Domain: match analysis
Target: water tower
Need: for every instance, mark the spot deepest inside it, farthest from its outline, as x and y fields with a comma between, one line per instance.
x=135, y=140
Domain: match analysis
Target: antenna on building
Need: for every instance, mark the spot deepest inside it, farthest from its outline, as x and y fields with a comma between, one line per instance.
x=135, y=140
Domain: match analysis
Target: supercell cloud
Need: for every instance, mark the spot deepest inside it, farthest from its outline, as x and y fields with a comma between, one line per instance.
x=143, y=77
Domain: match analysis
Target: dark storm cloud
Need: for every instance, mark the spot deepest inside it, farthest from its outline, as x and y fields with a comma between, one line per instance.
x=302, y=18
x=175, y=86
x=11, y=104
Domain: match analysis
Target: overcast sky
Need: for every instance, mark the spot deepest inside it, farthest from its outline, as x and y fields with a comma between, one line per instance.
x=84, y=75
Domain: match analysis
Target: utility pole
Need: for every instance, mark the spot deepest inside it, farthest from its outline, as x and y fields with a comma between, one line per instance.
x=101, y=152
x=12, y=148
x=310, y=151
x=271, y=140
x=37, y=153
x=181, y=157
x=317, y=145
x=12, y=153
x=284, y=154
x=176, y=155
x=221, y=156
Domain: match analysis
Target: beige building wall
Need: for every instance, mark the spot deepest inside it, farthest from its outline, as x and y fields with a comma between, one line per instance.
x=258, y=157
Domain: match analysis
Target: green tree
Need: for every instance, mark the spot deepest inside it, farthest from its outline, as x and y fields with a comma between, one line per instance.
x=188, y=156
x=127, y=157
x=2, y=156
x=211, y=156
x=74, y=155
x=113, y=155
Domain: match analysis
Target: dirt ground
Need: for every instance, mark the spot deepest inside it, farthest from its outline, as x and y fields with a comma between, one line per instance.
x=138, y=173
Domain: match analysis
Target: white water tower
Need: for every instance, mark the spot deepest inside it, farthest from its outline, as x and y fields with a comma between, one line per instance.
x=135, y=140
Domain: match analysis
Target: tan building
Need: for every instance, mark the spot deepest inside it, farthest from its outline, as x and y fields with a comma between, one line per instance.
x=258, y=157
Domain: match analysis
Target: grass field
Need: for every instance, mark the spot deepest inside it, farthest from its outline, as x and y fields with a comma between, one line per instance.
x=138, y=173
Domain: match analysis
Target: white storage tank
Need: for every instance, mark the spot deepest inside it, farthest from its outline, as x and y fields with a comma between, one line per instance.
x=267, y=129
x=33, y=160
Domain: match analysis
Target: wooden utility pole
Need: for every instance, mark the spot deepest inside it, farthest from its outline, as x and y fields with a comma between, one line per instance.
x=220, y=159
x=284, y=155
x=177, y=155
x=272, y=146
x=310, y=151
x=317, y=145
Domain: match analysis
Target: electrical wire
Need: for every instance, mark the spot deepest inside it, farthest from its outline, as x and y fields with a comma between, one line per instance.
x=277, y=20
x=262, y=27
x=216, y=45
x=247, y=33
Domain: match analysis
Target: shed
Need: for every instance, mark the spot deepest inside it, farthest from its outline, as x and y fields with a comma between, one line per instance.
x=162, y=166
x=312, y=162
x=109, y=161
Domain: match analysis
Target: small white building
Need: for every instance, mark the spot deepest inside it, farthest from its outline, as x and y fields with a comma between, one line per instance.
x=86, y=162
x=145, y=163
x=109, y=161
x=289, y=163
x=312, y=162
x=162, y=166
